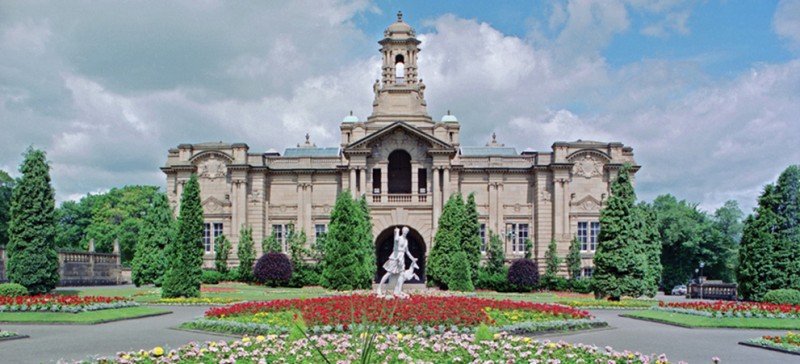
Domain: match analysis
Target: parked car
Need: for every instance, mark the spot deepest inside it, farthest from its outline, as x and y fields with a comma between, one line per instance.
x=679, y=290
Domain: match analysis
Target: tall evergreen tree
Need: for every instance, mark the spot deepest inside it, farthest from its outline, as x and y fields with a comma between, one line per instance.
x=148, y=263
x=366, y=247
x=757, y=271
x=447, y=242
x=620, y=265
x=788, y=250
x=651, y=248
x=6, y=189
x=31, y=251
x=344, y=263
x=552, y=261
x=728, y=221
x=495, y=256
x=222, y=251
x=472, y=236
x=247, y=255
x=185, y=254
x=573, y=258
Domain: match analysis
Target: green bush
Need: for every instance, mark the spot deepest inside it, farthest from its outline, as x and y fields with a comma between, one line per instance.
x=460, y=276
x=555, y=283
x=783, y=296
x=13, y=290
x=581, y=285
x=212, y=277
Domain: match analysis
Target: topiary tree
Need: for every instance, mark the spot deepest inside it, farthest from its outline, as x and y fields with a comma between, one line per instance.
x=247, y=254
x=32, y=256
x=273, y=268
x=148, y=263
x=573, y=258
x=620, y=264
x=222, y=250
x=185, y=264
x=345, y=257
x=523, y=275
x=460, y=278
x=447, y=242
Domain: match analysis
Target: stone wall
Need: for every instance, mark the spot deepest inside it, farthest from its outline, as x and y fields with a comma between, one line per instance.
x=80, y=268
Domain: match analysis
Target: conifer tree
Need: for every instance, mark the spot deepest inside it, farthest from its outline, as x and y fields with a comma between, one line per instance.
x=620, y=264
x=757, y=272
x=148, y=264
x=788, y=250
x=573, y=259
x=271, y=243
x=460, y=275
x=185, y=264
x=472, y=238
x=247, y=255
x=495, y=256
x=32, y=256
x=366, y=247
x=651, y=248
x=447, y=242
x=344, y=263
x=552, y=261
x=222, y=250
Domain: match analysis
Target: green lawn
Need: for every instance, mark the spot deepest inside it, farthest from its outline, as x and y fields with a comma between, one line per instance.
x=91, y=317
x=726, y=322
x=242, y=292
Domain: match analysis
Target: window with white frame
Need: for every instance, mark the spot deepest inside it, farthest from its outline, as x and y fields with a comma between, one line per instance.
x=586, y=272
x=211, y=230
x=587, y=234
x=483, y=237
x=517, y=234
x=280, y=234
x=320, y=230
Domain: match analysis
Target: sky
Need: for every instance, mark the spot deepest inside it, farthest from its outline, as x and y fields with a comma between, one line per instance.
x=706, y=92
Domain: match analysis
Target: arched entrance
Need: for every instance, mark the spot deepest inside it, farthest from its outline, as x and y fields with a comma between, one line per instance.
x=416, y=246
x=399, y=172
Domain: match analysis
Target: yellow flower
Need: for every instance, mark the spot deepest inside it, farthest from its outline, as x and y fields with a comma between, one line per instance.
x=246, y=339
x=203, y=350
x=260, y=338
x=527, y=340
x=158, y=351
x=496, y=336
x=552, y=345
x=363, y=335
x=126, y=357
x=399, y=336
x=272, y=337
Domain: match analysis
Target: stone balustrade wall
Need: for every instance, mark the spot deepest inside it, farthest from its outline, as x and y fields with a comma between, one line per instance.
x=80, y=268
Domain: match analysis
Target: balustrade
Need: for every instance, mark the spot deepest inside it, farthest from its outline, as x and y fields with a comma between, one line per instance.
x=399, y=198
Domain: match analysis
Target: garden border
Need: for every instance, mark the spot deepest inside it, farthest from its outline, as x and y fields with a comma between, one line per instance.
x=86, y=323
x=15, y=337
x=752, y=345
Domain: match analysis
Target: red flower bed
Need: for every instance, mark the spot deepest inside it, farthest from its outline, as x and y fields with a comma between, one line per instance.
x=725, y=306
x=60, y=300
x=416, y=310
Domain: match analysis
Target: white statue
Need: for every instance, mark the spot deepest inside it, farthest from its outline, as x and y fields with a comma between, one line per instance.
x=395, y=266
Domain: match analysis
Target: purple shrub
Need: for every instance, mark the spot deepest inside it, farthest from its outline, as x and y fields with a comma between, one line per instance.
x=523, y=274
x=273, y=267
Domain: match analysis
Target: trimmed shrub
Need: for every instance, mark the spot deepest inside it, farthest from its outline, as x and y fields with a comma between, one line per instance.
x=212, y=277
x=783, y=296
x=273, y=268
x=523, y=275
x=13, y=290
x=581, y=285
x=556, y=283
x=460, y=275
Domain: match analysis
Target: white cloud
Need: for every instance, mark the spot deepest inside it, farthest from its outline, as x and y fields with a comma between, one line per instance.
x=786, y=22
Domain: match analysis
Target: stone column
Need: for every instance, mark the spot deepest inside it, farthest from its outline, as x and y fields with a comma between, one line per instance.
x=353, y=181
x=436, y=197
x=363, y=181
x=446, y=185
x=414, y=178
x=384, y=179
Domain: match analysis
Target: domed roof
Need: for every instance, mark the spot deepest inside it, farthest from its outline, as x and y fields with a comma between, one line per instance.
x=399, y=29
x=350, y=118
x=449, y=117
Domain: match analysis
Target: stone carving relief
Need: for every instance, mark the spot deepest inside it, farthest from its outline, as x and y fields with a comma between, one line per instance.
x=587, y=203
x=400, y=140
x=212, y=205
x=212, y=168
x=588, y=167
x=545, y=195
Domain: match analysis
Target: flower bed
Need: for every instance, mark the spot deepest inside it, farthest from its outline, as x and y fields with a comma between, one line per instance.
x=344, y=348
x=732, y=309
x=196, y=301
x=788, y=343
x=62, y=303
x=425, y=314
x=625, y=304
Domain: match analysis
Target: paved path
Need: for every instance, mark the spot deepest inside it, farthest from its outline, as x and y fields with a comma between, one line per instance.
x=49, y=343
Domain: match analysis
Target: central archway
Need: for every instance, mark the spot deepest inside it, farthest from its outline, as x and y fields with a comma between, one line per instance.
x=384, y=244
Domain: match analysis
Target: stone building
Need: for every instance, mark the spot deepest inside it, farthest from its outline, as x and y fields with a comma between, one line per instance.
x=407, y=165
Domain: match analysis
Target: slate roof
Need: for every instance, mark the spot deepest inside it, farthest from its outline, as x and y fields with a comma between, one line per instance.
x=311, y=152
x=488, y=151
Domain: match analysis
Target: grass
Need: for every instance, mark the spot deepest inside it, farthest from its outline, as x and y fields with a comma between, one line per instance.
x=91, y=317
x=243, y=292
x=694, y=321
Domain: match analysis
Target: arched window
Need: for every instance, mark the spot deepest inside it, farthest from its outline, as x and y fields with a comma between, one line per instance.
x=399, y=172
x=399, y=69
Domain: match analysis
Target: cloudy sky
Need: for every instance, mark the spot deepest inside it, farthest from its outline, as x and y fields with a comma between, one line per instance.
x=706, y=92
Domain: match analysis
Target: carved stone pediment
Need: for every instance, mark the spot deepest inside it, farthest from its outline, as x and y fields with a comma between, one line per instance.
x=587, y=166
x=399, y=136
x=587, y=203
x=212, y=166
x=213, y=205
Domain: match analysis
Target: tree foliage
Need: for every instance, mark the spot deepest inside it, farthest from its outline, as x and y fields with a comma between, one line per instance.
x=621, y=265
x=31, y=251
x=471, y=239
x=769, y=253
x=271, y=243
x=6, y=189
x=185, y=254
x=349, y=259
x=495, y=256
x=551, y=260
x=460, y=277
x=573, y=258
x=148, y=263
x=651, y=248
x=523, y=275
x=222, y=250
x=247, y=255
x=273, y=269
x=447, y=242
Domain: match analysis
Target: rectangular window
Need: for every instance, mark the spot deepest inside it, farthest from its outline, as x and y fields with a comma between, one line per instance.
x=583, y=235
x=376, y=181
x=279, y=234
x=586, y=272
x=422, y=181
x=210, y=233
x=483, y=237
x=517, y=234
x=319, y=230
x=594, y=232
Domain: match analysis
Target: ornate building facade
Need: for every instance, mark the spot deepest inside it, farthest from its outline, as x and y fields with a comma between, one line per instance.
x=406, y=165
